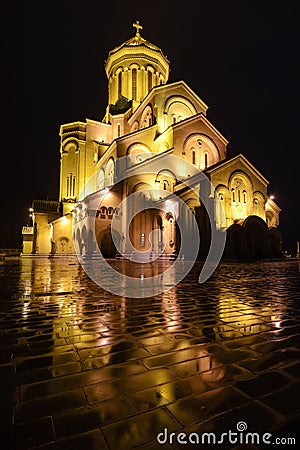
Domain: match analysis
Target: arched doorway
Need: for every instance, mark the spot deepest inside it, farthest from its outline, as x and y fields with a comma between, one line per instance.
x=63, y=245
x=275, y=240
x=257, y=237
x=107, y=243
x=235, y=243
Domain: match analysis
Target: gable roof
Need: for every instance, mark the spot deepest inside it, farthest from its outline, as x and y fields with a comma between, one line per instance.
x=243, y=160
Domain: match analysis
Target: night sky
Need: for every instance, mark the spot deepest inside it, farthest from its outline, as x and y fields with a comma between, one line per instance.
x=240, y=57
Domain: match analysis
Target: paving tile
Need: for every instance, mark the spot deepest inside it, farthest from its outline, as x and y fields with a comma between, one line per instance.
x=293, y=370
x=177, y=356
x=104, y=350
x=270, y=361
x=203, y=406
x=286, y=401
x=165, y=393
x=92, y=440
x=138, y=429
x=84, y=419
x=196, y=357
x=195, y=366
x=244, y=341
x=75, y=381
x=31, y=434
x=49, y=405
x=257, y=418
x=116, y=358
x=263, y=384
x=140, y=381
x=279, y=344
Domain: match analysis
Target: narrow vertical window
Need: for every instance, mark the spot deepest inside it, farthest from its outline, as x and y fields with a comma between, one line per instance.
x=149, y=80
x=68, y=186
x=193, y=157
x=205, y=160
x=119, y=130
x=233, y=195
x=239, y=195
x=143, y=240
x=245, y=196
x=134, y=76
x=119, y=84
x=73, y=187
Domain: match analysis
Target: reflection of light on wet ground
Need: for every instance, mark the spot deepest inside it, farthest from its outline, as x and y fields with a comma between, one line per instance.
x=187, y=355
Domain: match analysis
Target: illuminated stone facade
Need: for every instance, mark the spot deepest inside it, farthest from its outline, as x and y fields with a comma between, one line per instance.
x=145, y=118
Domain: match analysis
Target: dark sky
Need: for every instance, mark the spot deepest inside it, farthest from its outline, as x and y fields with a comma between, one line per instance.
x=240, y=57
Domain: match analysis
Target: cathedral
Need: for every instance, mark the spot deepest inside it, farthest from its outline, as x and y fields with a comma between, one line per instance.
x=158, y=135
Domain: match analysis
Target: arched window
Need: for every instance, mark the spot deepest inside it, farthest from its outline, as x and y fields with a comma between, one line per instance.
x=110, y=168
x=119, y=130
x=205, y=160
x=134, y=77
x=193, y=157
x=149, y=80
x=245, y=196
x=165, y=186
x=233, y=194
x=100, y=181
x=119, y=84
x=71, y=185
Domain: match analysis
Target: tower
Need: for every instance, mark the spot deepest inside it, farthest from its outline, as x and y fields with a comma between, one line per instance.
x=133, y=68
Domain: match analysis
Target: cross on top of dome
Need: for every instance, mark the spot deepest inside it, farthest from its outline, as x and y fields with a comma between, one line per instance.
x=138, y=28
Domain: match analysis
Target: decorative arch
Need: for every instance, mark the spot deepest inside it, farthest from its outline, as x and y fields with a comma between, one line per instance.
x=192, y=203
x=141, y=186
x=110, y=171
x=100, y=182
x=258, y=208
x=138, y=152
x=165, y=179
x=146, y=117
x=135, y=126
x=62, y=244
x=240, y=186
x=222, y=202
x=178, y=108
x=201, y=150
x=70, y=144
x=119, y=76
x=134, y=68
x=150, y=77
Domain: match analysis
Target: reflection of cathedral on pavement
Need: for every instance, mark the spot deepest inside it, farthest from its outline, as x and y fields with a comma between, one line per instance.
x=145, y=119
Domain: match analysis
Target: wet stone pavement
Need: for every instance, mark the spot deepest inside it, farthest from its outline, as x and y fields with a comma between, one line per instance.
x=84, y=369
